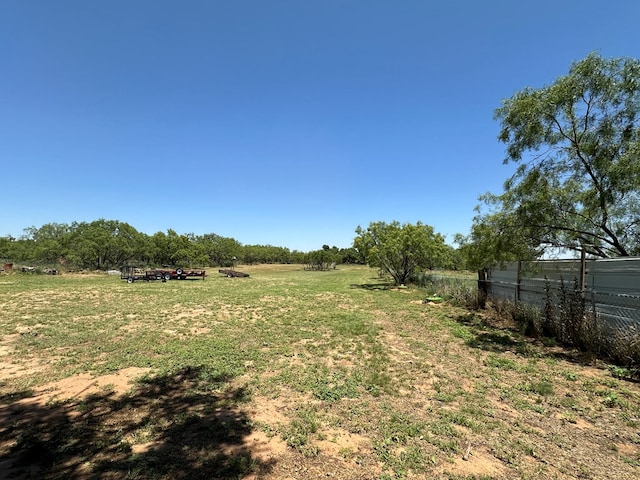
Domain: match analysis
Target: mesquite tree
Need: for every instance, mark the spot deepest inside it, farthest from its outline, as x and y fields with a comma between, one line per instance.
x=401, y=250
x=577, y=146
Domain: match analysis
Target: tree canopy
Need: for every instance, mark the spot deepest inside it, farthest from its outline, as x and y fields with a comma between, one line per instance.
x=577, y=183
x=104, y=244
x=401, y=250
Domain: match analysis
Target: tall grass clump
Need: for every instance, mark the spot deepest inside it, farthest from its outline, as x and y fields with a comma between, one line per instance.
x=569, y=317
x=624, y=348
x=460, y=290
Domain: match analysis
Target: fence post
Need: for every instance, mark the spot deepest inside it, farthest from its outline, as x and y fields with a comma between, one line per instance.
x=483, y=288
x=583, y=272
x=518, y=281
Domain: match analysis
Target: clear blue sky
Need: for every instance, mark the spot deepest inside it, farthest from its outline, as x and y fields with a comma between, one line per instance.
x=275, y=122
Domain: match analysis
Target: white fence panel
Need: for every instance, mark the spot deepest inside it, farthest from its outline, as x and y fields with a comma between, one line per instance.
x=611, y=286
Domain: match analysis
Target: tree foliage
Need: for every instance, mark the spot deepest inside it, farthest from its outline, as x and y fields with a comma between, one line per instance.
x=49, y=243
x=401, y=250
x=220, y=250
x=321, y=259
x=252, y=254
x=495, y=239
x=104, y=244
x=577, y=146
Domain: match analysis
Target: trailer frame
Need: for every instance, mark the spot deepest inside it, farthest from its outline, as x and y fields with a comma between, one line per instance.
x=131, y=273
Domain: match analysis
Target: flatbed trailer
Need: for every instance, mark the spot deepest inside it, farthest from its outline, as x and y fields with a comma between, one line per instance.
x=233, y=273
x=131, y=274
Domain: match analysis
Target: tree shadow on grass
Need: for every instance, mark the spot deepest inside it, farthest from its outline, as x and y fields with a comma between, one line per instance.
x=175, y=426
x=484, y=335
x=373, y=286
x=490, y=338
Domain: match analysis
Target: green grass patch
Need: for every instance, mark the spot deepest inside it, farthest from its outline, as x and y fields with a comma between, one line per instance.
x=340, y=370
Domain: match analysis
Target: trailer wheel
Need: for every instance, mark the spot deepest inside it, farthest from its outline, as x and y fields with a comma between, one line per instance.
x=130, y=280
x=167, y=276
x=179, y=271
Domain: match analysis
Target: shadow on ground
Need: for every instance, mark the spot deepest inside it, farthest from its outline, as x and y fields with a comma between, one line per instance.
x=487, y=337
x=484, y=335
x=176, y=426
x=373, y=286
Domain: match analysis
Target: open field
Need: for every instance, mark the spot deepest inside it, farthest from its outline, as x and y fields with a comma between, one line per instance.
x=290, y=374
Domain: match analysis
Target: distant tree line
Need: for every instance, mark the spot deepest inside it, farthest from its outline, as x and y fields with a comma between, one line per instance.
x=109, y=244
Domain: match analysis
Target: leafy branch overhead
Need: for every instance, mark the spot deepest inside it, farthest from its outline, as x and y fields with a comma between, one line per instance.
x=576, y=143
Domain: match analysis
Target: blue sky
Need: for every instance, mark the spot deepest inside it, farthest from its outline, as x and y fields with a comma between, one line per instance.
x=278, y=122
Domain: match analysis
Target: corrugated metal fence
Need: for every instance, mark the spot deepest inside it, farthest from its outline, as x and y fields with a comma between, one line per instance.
x=611, y=287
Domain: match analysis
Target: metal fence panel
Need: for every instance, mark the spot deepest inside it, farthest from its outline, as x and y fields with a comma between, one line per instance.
x=611, y=286
x=503, y=281
x=617, y=276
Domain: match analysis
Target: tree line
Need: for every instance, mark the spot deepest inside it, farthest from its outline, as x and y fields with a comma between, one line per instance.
x=397, y=250
x=109, y=244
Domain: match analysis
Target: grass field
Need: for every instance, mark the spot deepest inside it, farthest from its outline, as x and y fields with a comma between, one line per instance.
x=290, y=374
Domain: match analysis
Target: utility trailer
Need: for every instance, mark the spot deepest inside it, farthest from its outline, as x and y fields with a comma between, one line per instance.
x=184, y=273
x=233, y=273
x=131, y=274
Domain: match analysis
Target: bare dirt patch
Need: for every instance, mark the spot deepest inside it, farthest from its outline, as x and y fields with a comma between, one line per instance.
x=477, y=462
x=76, y=388
x=12, y=366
